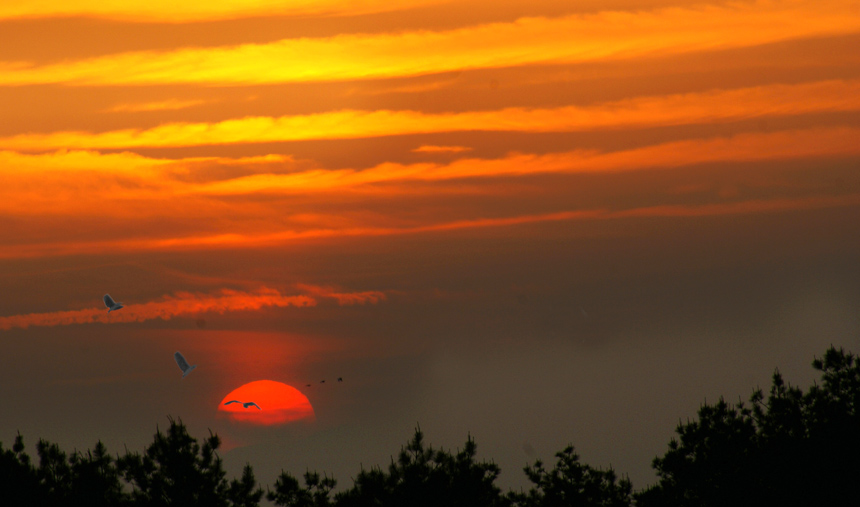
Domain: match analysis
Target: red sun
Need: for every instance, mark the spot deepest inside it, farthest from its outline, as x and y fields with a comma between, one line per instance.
x=279, y=404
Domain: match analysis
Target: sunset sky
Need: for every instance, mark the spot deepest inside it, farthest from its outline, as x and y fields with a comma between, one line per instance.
x=538, y=222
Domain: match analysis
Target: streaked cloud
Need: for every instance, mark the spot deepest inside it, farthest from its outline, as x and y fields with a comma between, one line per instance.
x=743, y=147
x=343, y=298
x=440, y=149
x=192, y=303
x=82, y=184
x=195, y=10
x=164, y=105
x=569, y=39
x=267, y=240
x=179, y=303
x=27, y=165
x=707, y=107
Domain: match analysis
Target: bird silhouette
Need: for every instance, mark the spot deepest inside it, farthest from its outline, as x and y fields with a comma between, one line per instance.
x=111, y=304
x=183, y=364
x=322, y=381
x=340, y=379
x=244, y=404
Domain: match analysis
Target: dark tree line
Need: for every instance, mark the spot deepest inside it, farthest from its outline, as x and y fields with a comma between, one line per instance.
x=785, y=448
x=174, y=470
x=789, y=448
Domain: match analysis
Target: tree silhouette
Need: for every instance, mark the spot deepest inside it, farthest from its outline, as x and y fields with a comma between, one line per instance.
x=19, y=484
x=572, y=483
x=420, y=476
x=176, y=470
x=791, y=449
x=245, y=492
x=90, y=479
x=314, y=494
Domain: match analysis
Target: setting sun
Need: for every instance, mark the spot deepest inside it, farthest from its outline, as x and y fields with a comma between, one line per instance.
x=278, y=402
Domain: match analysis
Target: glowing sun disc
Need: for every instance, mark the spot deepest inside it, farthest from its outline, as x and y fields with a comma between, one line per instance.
x=279, y=404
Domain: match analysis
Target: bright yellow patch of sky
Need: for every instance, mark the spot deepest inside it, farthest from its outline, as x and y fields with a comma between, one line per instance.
x=195, y=10
x=569, y=39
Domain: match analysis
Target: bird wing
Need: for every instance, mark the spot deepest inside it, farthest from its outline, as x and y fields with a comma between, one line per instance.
x=252, y=403
x=183, y=364
x=109, y=302
x=233, y=401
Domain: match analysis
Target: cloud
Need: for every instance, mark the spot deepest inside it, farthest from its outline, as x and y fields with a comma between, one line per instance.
x=164, y=105
x=679, y=109
x=343, y=298
x=180, y=303
x=440, y=149
x=148, y=193
x=569, y=39
x=284, y=237
x=742, y=147
x=192, y=303
x=195, y=10
x=268, y=209
x=56, y=182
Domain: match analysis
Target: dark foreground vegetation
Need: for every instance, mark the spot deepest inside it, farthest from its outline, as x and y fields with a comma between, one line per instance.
x=786, y=448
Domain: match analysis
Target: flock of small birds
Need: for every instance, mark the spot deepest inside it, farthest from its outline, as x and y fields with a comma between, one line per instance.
x=339, y=379
x=180, y=359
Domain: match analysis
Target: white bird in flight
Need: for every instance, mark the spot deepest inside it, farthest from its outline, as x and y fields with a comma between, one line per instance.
x=183, y=364
x=246, y=405
x=111, y=304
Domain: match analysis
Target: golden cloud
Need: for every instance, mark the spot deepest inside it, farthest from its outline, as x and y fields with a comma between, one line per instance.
x=678, y=109
x=568, y=39
x=196, y=10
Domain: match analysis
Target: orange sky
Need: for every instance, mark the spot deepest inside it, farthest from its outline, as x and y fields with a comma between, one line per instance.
x=313, y=166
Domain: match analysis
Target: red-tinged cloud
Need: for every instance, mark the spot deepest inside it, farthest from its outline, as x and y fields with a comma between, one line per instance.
x=278, y=404
x=429, y=148
x=284, y=237
x=180, y=303
x=343, y=298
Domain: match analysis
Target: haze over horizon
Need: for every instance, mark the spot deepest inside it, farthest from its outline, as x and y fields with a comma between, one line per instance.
x=535, y=223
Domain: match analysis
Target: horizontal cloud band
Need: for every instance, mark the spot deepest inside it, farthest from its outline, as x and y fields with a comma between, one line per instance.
x=187, y=303
x=568, y=39
x=638, y=112
x=280, y=238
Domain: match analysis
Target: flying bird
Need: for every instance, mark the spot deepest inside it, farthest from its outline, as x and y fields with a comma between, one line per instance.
x=111, y=304
x=245, y=404
x=340, y=379
x=183, y=364
x=322, y=381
